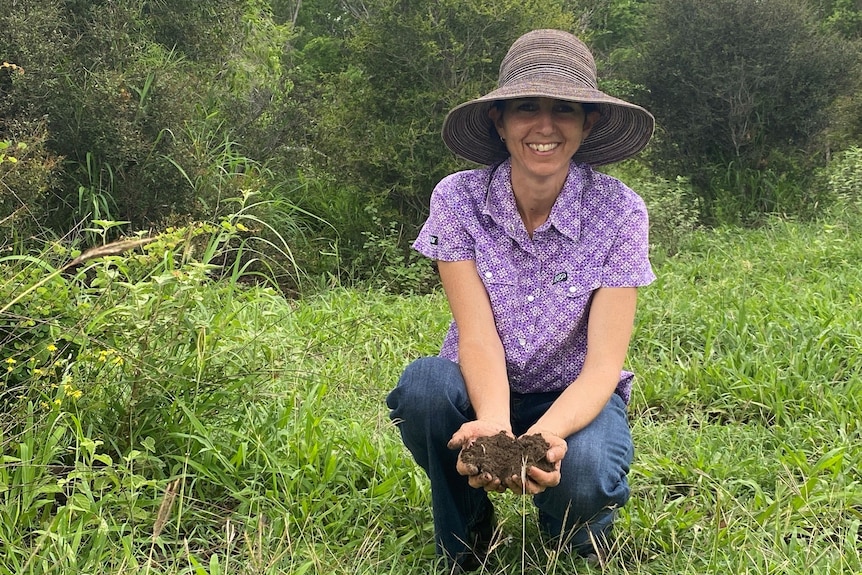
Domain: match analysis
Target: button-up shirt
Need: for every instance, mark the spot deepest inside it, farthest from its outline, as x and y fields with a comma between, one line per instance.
x=540, y=287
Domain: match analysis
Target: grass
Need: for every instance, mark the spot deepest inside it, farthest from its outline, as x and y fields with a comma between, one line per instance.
x=157, y=421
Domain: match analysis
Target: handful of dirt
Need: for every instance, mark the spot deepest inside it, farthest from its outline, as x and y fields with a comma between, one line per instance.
x=503, y=456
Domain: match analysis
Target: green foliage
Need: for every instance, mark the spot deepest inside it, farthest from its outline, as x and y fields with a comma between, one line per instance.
x=612, y=24
x=126, y=88
x=748, y=378
x=328, y=113
x=738, y=86
x=842, y=16
x=742, y=195
x=201, y=32
x=842, y=180
x=399, y=69
x=845, y=127
x=158, y=421
x=844, y=175
x=389, y=264
x=27, y=170
x=125, y=447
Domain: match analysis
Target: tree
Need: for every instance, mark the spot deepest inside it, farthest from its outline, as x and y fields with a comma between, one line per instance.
x=403, y=66
x=740, y=91
x=372, y=81
x=841, y=16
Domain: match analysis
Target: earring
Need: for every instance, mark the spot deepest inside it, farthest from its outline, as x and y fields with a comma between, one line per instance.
x=502, y=139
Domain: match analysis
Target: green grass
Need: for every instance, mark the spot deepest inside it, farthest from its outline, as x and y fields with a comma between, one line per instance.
x=158, y=422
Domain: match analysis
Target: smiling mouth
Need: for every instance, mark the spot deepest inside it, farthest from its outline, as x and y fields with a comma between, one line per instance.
x=542, y=147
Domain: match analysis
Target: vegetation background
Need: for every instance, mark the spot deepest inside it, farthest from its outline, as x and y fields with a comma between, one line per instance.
x=206, y=286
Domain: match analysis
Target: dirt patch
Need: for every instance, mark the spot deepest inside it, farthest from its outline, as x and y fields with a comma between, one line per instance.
x=503, y=456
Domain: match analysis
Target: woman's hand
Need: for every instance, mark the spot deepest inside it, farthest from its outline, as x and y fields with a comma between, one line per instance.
x=535, y=480
x=464, y=437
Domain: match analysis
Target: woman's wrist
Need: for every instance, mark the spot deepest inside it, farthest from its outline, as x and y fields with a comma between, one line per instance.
x=500, y=421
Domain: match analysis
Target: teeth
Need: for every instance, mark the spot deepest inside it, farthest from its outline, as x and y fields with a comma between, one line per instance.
x=543, y=147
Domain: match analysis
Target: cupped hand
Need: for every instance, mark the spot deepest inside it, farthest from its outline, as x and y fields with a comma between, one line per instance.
x=464, y=437
x=535, y=480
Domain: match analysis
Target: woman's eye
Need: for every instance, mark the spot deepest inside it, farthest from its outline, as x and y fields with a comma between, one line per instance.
x=528, y=107
x=564, y=109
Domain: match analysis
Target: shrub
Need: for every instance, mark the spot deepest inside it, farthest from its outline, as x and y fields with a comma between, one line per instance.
x=28, y=171
x=742, y=87
x=127, y=94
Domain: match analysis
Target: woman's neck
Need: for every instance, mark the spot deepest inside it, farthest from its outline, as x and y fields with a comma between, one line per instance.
x=535, y=198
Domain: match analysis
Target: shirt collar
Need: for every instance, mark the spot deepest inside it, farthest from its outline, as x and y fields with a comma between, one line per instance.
x=565, y=215
x=500, y=200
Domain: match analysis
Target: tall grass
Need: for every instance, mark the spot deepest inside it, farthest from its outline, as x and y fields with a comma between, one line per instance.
x=161, y=417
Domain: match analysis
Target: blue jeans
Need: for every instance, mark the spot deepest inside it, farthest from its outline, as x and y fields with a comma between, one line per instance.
x=430, y=404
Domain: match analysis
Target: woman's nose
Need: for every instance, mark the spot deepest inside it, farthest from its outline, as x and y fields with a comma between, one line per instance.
x=545, y=120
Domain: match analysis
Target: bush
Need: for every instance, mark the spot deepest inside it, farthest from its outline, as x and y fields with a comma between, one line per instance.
x=28, y=171
x=381, y=92
x=127, y=95
x=740, y=90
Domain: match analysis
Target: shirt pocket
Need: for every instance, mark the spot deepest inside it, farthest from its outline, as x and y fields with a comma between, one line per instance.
x=501, y=281
x=575, y=289
x=572, y=297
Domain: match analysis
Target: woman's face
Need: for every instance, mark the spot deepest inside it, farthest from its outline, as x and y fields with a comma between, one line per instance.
x=542, y=134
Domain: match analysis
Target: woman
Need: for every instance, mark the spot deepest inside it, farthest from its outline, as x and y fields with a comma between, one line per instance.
x=540, y=258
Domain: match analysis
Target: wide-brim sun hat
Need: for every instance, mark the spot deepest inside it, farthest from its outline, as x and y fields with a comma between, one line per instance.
x=550, y=64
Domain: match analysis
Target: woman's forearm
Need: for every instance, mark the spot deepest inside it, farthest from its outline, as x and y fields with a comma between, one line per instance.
x=484, y=369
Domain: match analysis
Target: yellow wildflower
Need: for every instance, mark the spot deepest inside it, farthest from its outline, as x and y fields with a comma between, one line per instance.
x=69, y=390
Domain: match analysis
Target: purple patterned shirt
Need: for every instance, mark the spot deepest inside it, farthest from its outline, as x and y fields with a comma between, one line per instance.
x=540, y=288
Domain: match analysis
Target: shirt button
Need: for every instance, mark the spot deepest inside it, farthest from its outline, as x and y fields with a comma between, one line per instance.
x=489, y=275
x=572, y=289
x=522, y=341
x=530, y=298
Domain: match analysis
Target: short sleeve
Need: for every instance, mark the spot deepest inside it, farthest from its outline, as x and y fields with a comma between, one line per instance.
x=628, y=264
x=445, y=234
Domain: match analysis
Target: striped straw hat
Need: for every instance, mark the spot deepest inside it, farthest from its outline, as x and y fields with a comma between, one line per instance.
x=551, y=64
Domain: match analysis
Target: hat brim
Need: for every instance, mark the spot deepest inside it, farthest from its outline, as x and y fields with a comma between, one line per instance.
x=623, y=130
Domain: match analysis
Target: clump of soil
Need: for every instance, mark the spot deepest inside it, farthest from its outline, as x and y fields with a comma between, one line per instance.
x=503, y=456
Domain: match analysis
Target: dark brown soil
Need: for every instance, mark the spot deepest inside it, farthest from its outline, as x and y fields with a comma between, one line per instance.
x=502, y=456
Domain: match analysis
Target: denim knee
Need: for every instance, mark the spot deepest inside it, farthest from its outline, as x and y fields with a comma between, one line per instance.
x=593, y=474
x=430, y=402
x=427, y=386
